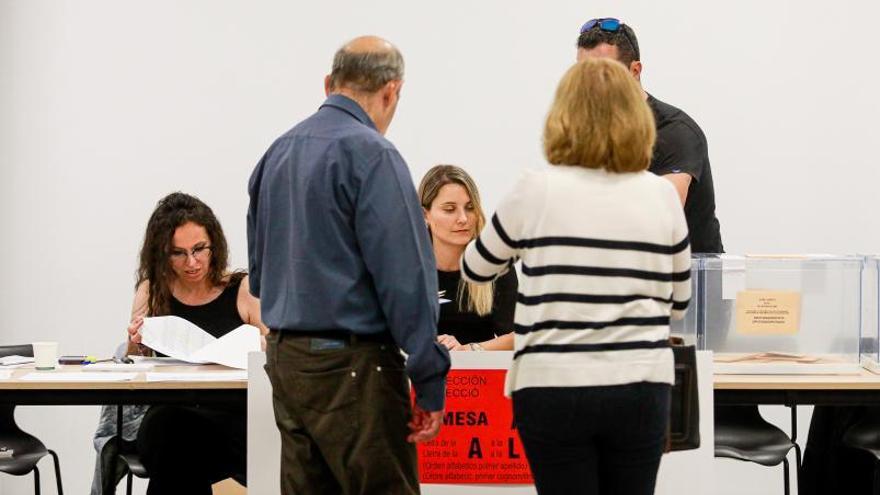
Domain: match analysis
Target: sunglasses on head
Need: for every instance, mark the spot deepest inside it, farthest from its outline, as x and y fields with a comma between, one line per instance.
x=610, y=25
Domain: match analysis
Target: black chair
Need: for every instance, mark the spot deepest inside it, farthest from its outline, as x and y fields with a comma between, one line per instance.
x=133, y=461
x=741, y=433
x=865, y=435
x=27, y=450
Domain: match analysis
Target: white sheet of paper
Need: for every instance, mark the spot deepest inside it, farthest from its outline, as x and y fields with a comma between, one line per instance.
x=160, y=361
x=5, y=374
x=174, y=336
x=15, y=360
x=78, y=377
x=231, y=349
x=196, y=377
x=180, y=339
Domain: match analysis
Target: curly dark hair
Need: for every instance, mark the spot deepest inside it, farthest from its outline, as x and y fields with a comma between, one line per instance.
x=624, y=39
x=154, y=266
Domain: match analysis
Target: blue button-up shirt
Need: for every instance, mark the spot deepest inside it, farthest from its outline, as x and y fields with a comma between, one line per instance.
x=337, y=240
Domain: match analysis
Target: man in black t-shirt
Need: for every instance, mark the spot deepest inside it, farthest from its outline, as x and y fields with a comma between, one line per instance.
x=680, y=153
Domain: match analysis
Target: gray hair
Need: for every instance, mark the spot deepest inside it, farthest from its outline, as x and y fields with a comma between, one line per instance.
x=365, y=71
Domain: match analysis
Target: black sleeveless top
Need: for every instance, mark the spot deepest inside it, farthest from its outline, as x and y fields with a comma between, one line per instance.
x=469, y=327
x=217, y=317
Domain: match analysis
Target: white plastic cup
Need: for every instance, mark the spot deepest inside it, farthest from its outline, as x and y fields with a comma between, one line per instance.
x=45, y=355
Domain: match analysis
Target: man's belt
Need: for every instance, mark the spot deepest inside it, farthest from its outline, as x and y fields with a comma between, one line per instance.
x=340, y=336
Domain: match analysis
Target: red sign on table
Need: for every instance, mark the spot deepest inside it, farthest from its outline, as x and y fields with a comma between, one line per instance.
x=478, y=442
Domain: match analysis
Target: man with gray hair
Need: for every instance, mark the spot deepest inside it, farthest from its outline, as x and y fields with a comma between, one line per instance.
x=342, y=263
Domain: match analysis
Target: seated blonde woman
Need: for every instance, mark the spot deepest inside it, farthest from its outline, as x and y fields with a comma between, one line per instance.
x=478, y=317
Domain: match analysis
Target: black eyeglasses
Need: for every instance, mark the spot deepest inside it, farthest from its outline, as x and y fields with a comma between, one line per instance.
x=198, y=252
x=610, y=25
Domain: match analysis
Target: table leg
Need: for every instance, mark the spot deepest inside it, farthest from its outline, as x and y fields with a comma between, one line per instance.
x=797, y=448
x=116, y=459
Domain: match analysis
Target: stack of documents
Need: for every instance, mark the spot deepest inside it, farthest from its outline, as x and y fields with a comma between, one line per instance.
x=15, y=360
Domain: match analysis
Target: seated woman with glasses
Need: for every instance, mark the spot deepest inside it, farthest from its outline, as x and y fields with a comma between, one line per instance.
x=478, y=317
x=605, y=265
x=183, y=272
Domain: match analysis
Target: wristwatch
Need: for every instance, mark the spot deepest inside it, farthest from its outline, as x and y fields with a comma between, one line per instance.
x=475, y=346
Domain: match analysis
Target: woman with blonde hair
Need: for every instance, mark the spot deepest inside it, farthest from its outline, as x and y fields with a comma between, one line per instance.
x=605, y=264
x=478, y=317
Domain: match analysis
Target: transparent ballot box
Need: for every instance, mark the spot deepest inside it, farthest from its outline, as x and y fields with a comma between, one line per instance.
x=870, y=342
x=779, y=314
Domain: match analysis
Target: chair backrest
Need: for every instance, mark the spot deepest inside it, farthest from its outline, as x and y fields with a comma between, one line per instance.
x=739, y=415
x=7, y=412
x=26, y=350
x=8, y=428
x=865, y=433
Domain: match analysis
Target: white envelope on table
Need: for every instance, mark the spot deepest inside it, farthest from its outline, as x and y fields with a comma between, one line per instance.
x=180, y=339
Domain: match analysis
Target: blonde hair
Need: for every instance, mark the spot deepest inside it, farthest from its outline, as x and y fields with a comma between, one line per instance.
x=600, y=119
x=480, y=297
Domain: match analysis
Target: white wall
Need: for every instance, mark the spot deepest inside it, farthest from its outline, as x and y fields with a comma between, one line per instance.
x=107, y=105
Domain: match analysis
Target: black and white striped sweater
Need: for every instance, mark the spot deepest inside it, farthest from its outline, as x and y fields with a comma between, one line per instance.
x=605, y=264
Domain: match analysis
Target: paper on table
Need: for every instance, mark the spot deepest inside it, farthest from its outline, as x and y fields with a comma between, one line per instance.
x=14, y=360
x=118, y=367
x=14, y=366
x=178, y=338
x=160, y=361
x=78, y=377
x=5, y=374
x=210, y=376
x=767, y=357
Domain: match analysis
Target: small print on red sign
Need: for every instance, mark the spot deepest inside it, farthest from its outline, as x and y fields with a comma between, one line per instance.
x=478, y=442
